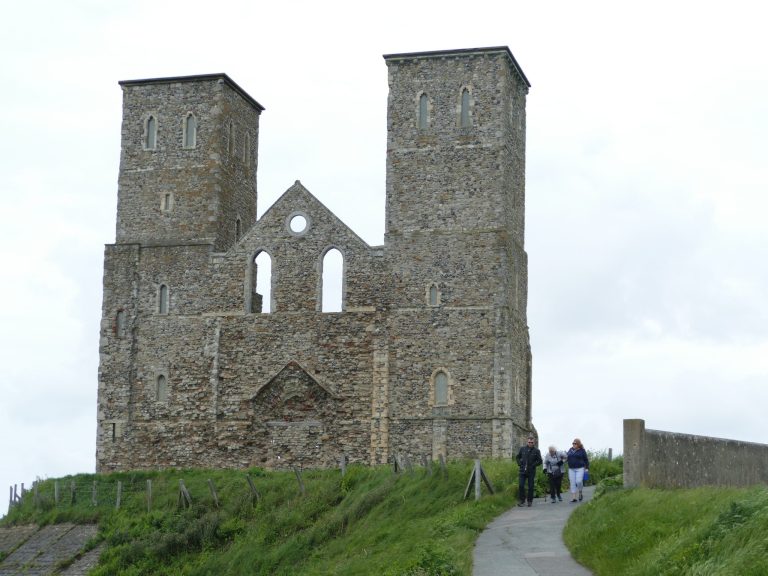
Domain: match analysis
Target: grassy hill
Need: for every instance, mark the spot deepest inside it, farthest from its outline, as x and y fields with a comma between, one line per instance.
x=370, y=521
x=643, y=532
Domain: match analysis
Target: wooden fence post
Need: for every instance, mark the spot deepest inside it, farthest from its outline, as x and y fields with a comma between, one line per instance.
x=343, y=464
x=395, y=463
x=213, y=492
x=94, y=500
x=254, y=493
x=301, y=482
x=185, y=500
x=149, y=495
x=56, y=492
x=72, y=492
x=10, y=497
x=427, y=461
x=477, y=476
x=443, y=466
x=119, y=495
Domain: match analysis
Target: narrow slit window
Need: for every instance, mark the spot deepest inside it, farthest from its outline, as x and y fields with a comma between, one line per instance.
x=190, y=131
x=114, y=431
x=441, y=388
x=150, y=136
x=434, y=295
x=120, y=324
x=161, y=391
x=231, y=137
x=238, y=229
x=163, y=299
x=247, y=149
x=167, y=202
x=465, y=118
x=423, y=111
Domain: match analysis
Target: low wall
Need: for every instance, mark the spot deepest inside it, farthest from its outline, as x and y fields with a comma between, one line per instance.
x=657, y=459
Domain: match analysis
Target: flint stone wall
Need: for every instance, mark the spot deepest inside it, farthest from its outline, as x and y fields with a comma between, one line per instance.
x=213, y=381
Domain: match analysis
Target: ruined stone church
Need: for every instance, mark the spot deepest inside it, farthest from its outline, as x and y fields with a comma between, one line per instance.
x=429, y=355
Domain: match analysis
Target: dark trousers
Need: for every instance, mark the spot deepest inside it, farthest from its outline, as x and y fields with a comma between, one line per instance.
x=555, y=485
x=527, y=477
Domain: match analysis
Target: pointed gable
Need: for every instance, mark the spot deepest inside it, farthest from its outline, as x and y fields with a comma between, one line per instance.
x=297, y=253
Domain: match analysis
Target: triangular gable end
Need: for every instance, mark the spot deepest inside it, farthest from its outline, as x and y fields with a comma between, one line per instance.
x=293, y=364
x=299, y=195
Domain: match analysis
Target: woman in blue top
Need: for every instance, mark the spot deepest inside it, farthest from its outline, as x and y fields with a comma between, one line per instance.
x=578, y=463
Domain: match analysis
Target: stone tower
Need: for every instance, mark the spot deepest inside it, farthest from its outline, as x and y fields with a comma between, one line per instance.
x=192, y=178
x=429, y=354
x=454, y=238
x=186, y=189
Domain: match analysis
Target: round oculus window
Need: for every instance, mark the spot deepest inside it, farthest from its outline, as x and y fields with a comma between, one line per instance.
x=298, y=224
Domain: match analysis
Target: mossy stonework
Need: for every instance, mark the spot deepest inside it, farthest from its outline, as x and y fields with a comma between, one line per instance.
x=197, y=369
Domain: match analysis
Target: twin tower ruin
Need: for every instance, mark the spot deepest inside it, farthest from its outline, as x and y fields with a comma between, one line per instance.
x=429, y=354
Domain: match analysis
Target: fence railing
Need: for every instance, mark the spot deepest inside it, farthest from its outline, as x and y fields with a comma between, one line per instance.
x=110, y=492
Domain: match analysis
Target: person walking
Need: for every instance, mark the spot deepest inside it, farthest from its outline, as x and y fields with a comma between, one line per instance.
x=528, y=459
x=554, y=463
x=578, y=463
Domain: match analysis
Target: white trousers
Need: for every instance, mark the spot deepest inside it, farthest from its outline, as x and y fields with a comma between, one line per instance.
x=576, y=479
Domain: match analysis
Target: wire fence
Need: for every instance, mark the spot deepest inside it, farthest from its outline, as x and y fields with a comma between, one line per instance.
x=104, y=491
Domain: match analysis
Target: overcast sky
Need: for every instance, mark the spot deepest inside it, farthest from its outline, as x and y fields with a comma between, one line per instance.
x=647, y=189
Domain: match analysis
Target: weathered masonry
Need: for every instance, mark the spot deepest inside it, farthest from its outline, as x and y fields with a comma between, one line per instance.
x=202, y=366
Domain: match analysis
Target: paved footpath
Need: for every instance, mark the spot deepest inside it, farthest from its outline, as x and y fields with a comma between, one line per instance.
x=529, y=542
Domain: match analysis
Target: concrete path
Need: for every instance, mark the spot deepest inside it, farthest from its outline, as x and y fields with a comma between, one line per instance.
x=529, y=542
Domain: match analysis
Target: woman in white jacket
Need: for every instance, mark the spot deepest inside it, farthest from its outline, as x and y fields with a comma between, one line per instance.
x=554, y=462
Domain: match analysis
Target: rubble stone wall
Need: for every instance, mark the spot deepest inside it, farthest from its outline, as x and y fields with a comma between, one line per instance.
x=193, y=369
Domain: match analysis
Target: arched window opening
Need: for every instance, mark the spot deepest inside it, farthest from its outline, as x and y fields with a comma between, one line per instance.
x=190, y=131
x=434, y=295
x=333, y=281
x=465, y=118
x=261, y=296
x=441, y=388
x=120, y=324
x=150, y=134
x=238, y=229
x=161, y=388
x=163, y=299
x=423, y=111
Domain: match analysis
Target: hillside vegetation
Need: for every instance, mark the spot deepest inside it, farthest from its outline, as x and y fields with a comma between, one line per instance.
x=369, y=521
x=643, y=532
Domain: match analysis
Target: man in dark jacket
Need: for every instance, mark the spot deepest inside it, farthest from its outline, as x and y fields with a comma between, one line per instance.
x=528, y=459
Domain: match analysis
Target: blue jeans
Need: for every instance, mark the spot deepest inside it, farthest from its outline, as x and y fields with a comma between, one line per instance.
x=528, y=477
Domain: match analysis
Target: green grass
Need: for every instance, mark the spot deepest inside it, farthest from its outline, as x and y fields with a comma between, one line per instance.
x=644, y=532
x=370, y=521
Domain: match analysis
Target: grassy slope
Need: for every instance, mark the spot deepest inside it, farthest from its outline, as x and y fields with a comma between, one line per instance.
x=371, y=521
x=643, y=532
